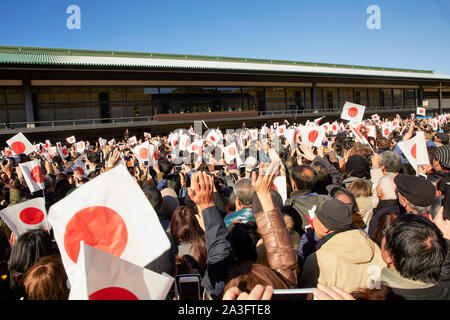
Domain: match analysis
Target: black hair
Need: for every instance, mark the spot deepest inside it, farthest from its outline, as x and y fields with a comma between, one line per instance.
x=417, y=247
x=243, y=238
x=26, y=251
x=304, y=182
x=155, y=198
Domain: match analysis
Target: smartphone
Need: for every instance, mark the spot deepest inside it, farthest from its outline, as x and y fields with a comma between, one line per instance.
x=187, y=287
x=447, y=202
x=219, y=167
x=178, y=168
x=291, y=294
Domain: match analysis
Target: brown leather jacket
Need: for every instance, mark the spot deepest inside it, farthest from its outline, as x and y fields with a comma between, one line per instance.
x=277, y=241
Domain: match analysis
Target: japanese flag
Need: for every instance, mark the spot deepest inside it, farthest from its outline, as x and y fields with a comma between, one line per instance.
x=80, y=147
x=386, y=129
x=313, y=136
x=147, y=135
x=26, y=216
x=317, y=121
x=334, y=128
x=371, y=131
x=275, y=125
x=421, y=111
x=58, y=145
x=63, y=152
x=52, y=151
x=8, y=152
x=375, y=117
x=358, y=135
x=326, y=126
x=291, y=136
x=110, y=213
x=111, y=142
x=353, y=112
x=142, y=152
x=435, y=124
x=79, y=166
x=280, y=185
x=413, y=116
x=196, y=147
x=102, y=276
x=32, y=173
x=19, y=144
x=415, y=150
x=132, y=141
x=395, y=124
x=37, y=147
x=174, y=140
x=185, y=141
x=153, y=148
x=397, y=117
x=47, y=144
x=254, y=134
x=71, y=140
x=281, y=130
x=213, y=137
x=230, y=152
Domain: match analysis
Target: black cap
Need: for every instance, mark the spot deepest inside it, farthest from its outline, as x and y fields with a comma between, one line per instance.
x=335, y=215
x=357, y=166
x=416, y=190
x=443, y=137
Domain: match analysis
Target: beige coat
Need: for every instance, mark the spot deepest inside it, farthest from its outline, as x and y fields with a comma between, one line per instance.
x=350, y=260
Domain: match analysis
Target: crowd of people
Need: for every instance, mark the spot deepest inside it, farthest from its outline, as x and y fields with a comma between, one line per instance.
x=357, y=221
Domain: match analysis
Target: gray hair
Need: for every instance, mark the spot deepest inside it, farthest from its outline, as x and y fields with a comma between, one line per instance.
x=244, y=191
x=392, y=161
x=388, y=187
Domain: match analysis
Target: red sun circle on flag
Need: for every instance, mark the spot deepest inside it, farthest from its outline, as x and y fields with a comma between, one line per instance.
x=80, y=170
x=36, y=174
x=232, y=151
x=18, y=147
x=352, y=112
x=280, y=130
x=195, y=148
x=143, y=153
x=31, y=216
x=386, y=131
x=99, y=227
x=64, y=151
x=414, y=151
x=312, y=136
x=334, y=128
x=212, y=138
x=113, y=293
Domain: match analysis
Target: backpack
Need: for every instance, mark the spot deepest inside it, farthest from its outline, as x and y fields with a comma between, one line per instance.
x=305, y=208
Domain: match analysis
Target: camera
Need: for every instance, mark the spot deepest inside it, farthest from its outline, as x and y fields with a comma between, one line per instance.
x=15, y=160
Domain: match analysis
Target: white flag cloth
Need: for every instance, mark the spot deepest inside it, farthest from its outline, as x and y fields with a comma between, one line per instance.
x=71, y=140
x=196, y=147
x=371, y=131
x=32, y=173
x=80, y=147
x=313, y=136
x=79, y=166
x=415, y=150
x=254, y=134
x=358, y=135
x=353, y=112
x=26, y=216
x=142, y=152
x=19, y=144
x=435, y=124
x=421, y=111
x=147, y=135
x=375, y=117
x=230, y=152
x=110, y=213
x=395, y=124
x=132, y=141
x=103, y=276
x=291, y=136
x=334, y=128
x=185, y=141
x=280, y=185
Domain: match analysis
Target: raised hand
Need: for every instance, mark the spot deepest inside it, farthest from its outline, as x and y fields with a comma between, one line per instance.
x=201, y=191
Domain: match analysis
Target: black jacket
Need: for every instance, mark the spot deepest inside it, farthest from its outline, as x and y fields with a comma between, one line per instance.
x=219, y=253
x=445, y=269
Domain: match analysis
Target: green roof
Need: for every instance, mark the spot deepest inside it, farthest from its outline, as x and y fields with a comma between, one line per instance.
x=38, y=55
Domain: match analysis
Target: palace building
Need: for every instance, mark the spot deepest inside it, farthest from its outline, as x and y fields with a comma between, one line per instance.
x=46, y=89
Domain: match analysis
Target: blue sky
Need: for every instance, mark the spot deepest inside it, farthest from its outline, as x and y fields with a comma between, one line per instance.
x=414, y=34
